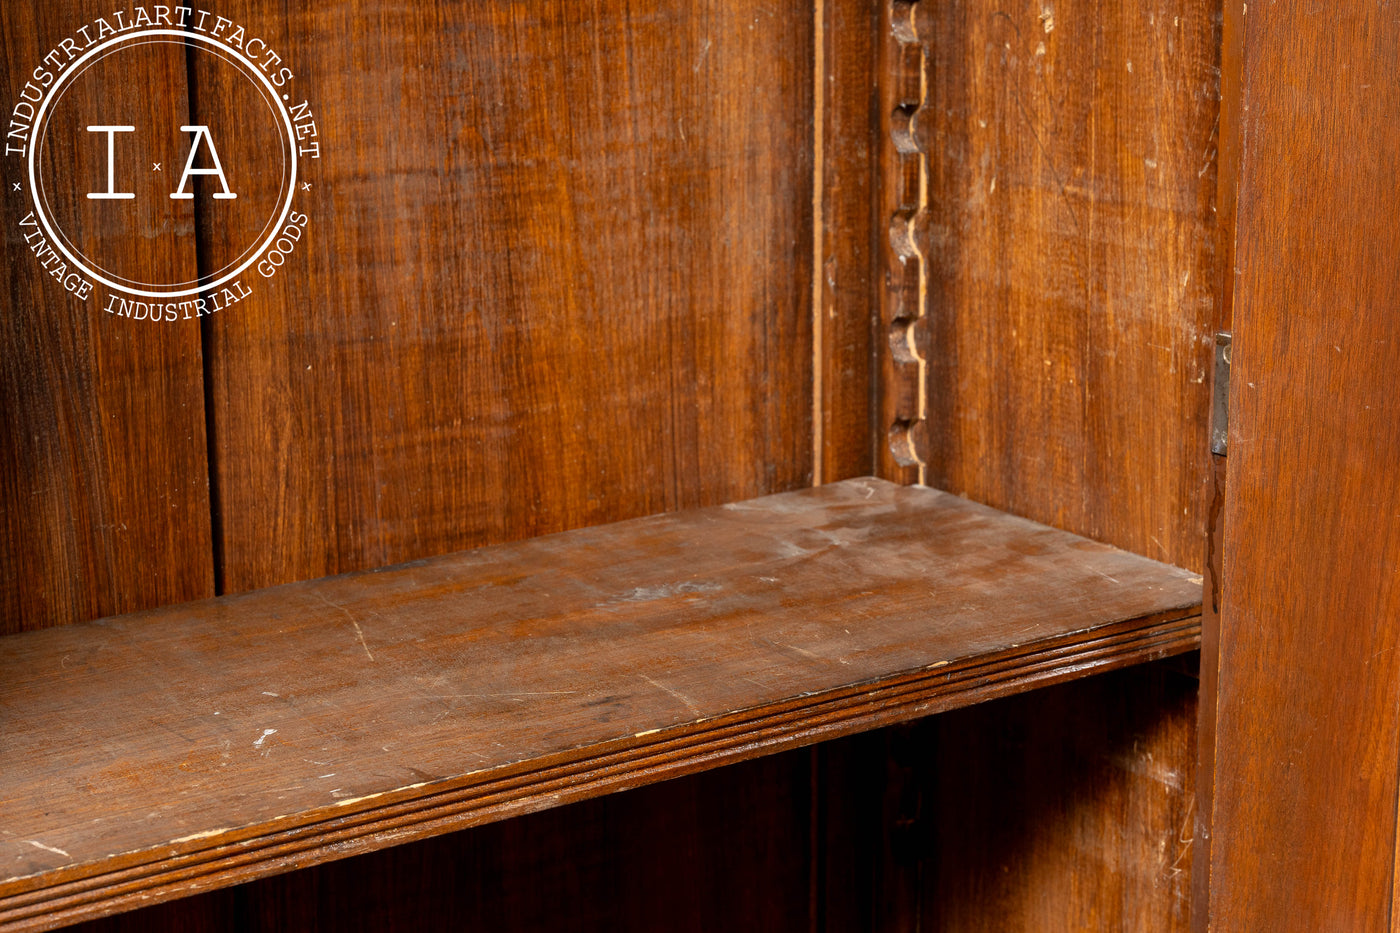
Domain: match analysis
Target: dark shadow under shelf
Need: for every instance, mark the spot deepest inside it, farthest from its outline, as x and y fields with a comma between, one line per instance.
x=154, y=755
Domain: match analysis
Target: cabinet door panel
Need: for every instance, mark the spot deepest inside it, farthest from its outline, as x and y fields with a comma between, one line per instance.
x=1307, y=727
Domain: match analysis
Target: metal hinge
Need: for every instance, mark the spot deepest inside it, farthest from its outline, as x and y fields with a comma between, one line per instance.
x=1220, y=410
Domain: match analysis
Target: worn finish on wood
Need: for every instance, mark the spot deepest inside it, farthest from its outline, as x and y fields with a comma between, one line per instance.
x=261, y=732
x=1070, y=245
x=724, y=849
x=103, y=484
x=848, y=349
x=627, y=863
x=561, y=269
x=1070, y=811
x=559, y=272
x=1231, y=101
x=1068, y=228
x=569, y=283
x=1028, y=795
x=903, y=199
x=1307, y=727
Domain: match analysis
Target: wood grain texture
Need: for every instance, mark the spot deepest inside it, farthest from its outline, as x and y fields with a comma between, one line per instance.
x=1027, y=798
x=846, y=279
x=561, y=269
x=103, y=481
x=1307, y=729
x=567, y=281
x=369, y=710
x=1231, y=102
x=1069, y=811
x=1067, y=229
x=558, y=272
x=723, y=850
x=903, y=205
x=1072, y=269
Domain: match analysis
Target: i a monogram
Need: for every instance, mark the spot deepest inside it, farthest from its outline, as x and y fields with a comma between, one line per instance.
x=201, y=135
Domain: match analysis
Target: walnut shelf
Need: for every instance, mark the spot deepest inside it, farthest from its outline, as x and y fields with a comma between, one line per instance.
x=152, y=755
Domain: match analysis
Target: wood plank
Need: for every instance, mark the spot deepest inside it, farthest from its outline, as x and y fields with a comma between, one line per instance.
x=848, y=349
x=1072, y=268
x=104, y=503
x=1307, y=727
x=568, y=283
x=1028, y=795
x=1231, y=102
x=1068, y=231
x=198, y=746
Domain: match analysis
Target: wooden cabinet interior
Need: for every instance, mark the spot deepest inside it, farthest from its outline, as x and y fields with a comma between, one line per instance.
x=570, y=264
x=503, y=680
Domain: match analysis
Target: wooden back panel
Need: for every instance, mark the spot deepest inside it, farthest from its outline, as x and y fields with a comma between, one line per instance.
x=104, y=477
x=1067, y=223
x=1068, y=228
x=557, y=271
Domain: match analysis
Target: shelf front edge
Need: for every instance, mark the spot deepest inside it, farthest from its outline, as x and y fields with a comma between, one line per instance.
x=854, y=546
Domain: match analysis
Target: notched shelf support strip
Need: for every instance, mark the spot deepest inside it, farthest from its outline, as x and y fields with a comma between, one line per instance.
x=906, y=274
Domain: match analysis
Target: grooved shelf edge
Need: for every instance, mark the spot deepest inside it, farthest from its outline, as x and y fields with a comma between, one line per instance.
x=153, y=755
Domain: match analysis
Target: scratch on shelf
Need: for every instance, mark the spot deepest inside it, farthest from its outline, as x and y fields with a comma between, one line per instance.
x=204, y=835
x=353, y=621
x=675, y=693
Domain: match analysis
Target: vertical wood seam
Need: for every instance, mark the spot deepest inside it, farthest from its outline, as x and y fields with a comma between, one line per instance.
x=206, y=367
x=1228, y=142
x=818, y=229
